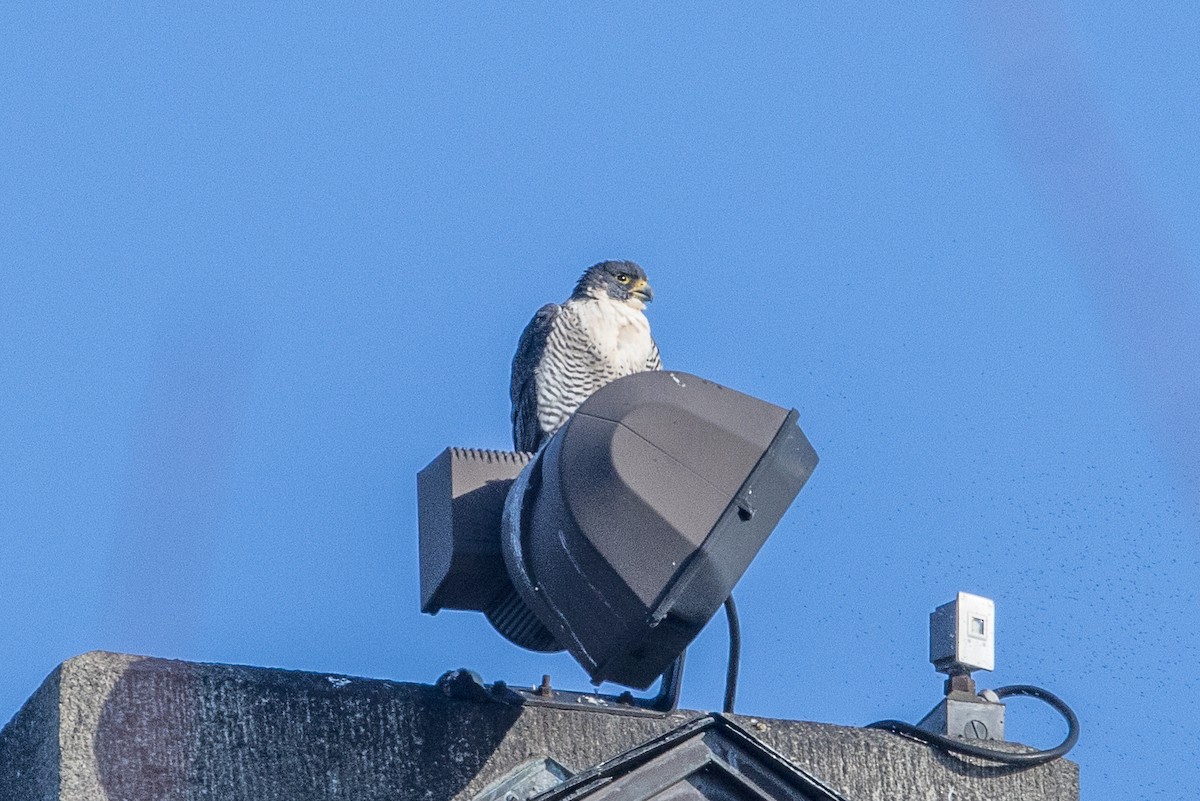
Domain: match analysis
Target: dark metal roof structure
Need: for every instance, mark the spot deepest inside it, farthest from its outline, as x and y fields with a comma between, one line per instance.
x=707, y=758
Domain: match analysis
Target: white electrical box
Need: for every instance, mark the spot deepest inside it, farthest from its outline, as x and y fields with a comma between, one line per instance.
x=962, y=634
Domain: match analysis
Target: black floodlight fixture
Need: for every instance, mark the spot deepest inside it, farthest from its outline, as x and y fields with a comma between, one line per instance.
x=625, y=533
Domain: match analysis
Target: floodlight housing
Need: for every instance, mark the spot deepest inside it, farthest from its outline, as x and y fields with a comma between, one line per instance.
x=962, y=634
x=460, y=497
x=625, y=533
x=630, y=528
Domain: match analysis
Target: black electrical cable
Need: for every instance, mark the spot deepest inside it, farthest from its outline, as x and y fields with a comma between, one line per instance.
x=1005, y=757
x=735, y=653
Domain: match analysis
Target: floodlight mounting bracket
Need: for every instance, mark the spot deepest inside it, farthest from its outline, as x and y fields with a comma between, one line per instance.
x=467, y=685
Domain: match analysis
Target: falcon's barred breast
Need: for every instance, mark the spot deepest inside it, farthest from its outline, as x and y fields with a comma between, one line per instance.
x=568, y=352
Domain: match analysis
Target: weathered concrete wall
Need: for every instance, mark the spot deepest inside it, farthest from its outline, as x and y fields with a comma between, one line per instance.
x=109, y=727
x=864, y=763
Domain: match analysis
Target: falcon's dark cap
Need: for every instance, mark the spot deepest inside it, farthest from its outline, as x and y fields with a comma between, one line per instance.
x=620, y=280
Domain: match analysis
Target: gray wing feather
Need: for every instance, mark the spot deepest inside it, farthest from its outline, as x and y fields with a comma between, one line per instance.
x=527, y=433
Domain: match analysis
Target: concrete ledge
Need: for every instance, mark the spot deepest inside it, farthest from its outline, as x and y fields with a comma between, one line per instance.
x=104, y=727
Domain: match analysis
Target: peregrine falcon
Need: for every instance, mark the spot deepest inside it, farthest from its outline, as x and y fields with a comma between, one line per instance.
x=568, y=352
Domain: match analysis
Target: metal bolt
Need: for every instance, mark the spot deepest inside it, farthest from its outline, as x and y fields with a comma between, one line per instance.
x=545, y=690
x=975, y=730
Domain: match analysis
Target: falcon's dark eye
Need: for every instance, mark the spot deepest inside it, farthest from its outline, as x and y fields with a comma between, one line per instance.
x=622, y=278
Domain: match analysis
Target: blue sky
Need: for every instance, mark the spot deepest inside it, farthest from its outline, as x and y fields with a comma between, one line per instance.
x=259, y=264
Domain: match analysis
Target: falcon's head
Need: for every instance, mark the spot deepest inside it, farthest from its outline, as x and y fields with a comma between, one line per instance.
x=622, y=281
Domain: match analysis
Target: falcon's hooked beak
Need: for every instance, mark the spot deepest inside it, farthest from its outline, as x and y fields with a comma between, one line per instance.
x=642, y=291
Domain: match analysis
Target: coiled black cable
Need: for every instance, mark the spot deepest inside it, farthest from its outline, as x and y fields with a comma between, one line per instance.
x=965, y=747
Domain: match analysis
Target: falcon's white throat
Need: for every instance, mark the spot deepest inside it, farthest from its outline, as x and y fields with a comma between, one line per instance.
x=619, y=328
